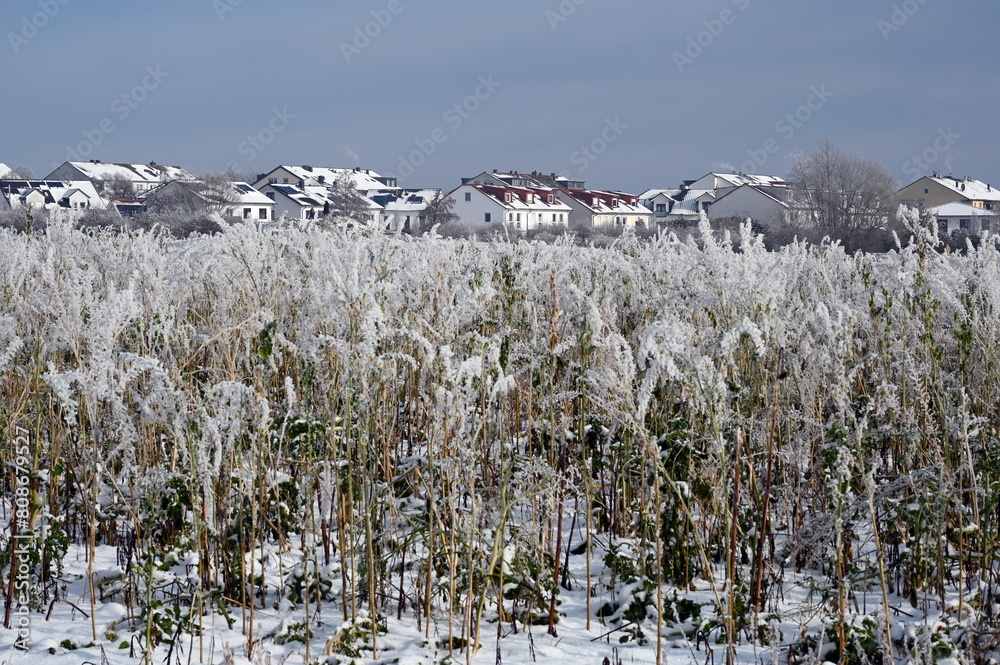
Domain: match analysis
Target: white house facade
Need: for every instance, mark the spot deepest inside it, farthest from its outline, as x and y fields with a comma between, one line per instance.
x=972, y=219
x=519, y=209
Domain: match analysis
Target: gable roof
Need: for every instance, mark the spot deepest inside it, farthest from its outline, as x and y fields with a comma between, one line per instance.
x=148, y=173
x=320, y=176
x=753, y=188
x=973, y=190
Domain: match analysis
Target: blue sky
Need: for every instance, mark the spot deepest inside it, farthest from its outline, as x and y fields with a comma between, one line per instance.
x=624, y=94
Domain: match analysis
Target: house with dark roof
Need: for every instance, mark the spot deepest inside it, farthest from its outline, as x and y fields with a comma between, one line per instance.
x=600, y=209
x=516, y=208
x=50, y=194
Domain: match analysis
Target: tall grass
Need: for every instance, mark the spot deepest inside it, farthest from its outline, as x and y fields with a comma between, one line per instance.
x=433, y=428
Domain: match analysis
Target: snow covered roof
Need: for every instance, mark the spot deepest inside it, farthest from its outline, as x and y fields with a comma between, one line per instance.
x=719, y=180
x=974, y=190
x=250, y=196
x=364, y=179
x=749, y=187
x=650, y=194
x=53, y=191
x=4, y=170
x=960, y=210
x=522, y=198
x=149, y=173
x=405, y=200
x=608, y=202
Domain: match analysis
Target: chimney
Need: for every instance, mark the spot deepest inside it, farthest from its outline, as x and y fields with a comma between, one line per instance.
x=152, y=163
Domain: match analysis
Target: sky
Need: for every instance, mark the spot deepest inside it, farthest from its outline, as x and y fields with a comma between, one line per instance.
x=623, y=94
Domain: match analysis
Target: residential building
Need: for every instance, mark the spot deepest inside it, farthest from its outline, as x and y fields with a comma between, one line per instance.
x=597, y=209
x=967, y=217
x=50, y=194
x=143, y=177
x=516, y=208
x=364, y=180
x=534, y=179
x=749, y=202
x=403, y=209
x=237, y=201
x=934, y=191
x=313, y=202
x=685, y=206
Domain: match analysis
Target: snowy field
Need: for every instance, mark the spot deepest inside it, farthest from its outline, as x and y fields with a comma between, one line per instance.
x=325, y=447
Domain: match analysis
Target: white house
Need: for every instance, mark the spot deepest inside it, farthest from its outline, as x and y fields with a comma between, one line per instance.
x=517, y=208
x=52, y=194
x=144, y=177
x=597, y=209
x=748, y=201
x=964, y=217
x=241, y=201
x=403, y=209
x=292, y=201
x=934, y=191
x=314, y=176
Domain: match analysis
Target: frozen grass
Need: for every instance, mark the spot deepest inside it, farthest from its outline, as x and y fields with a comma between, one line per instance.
x=320, y=446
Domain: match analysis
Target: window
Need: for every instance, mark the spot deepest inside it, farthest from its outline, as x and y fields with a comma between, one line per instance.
x=246, y=213
x=984, y=225
x=942, y=226
x=270, y=195
x=519, y=217
x=262, y=213
x=468, y=196
x=661, y=207
x=925, y=191
x=487, y=218
x=964, y=224
x=272, y=181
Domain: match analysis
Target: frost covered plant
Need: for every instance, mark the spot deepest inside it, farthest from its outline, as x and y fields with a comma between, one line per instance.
x=363, y=426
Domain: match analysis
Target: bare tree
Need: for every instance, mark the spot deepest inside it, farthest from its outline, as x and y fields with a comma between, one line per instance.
x=21, y=172
x=439, y=211
x=218, y=191
x=347, y=203
x=848, y=198
x=118, y=187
